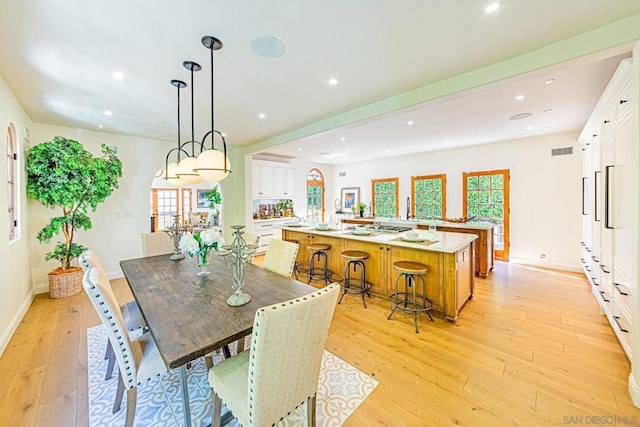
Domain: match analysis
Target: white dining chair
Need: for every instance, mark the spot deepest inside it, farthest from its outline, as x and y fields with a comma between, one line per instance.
x=158, y=243
x=138, y=359
x=281, y=257
x=131, y=314
x=280, y=371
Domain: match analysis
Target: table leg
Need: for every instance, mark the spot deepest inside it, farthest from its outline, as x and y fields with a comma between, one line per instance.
x=185, y=396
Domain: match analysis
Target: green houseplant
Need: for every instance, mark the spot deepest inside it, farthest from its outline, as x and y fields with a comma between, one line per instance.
x=61, y=174
x=361, y=208
x=214, y=199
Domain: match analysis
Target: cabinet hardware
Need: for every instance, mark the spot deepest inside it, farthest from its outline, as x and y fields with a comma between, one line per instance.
x=607, y=121
x=596, y=185
x=588, y=249
x=586, y=267
x=582, y=259
x=617, y=320
x=618, y=286
x=604, y=269
x=584, y=189
x=593, y=257
x=622, y=101
x=604, y=296
x=593, y=279
x=607, y=180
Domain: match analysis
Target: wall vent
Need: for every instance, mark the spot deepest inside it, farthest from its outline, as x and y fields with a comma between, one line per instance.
x=341, y=174
x=561, y=151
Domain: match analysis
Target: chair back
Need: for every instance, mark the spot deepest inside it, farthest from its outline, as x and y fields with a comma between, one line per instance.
x=281, y=257
x=98, y=289
x=156, y=244
x=251, y=239
x=286, y=352
x=90, y=259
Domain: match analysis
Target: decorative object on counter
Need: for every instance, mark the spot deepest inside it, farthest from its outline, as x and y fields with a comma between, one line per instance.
x=202, y=163
x=460, y=220
x=175, y=233
x=350, y=199
x=337, y=206
x=61, y=174
x=200, y=244
x=361, y=207
x=237, y=255
x=284, y=208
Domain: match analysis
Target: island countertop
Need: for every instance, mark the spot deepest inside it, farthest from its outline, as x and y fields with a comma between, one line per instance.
x=426, y=222
x=443, y=241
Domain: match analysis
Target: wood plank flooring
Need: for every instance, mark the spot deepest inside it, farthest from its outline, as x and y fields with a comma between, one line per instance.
x=530, y=349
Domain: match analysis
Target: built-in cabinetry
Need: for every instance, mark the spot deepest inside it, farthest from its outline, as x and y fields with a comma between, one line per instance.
x=268, y=229
x=609, y=205
x=272, y=180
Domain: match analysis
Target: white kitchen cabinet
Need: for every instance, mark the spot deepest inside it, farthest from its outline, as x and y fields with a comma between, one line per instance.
x=609, y=255
x=267, y=230
x=273, y=181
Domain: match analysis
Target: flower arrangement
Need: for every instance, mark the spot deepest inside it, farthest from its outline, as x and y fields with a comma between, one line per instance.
x=200, y=244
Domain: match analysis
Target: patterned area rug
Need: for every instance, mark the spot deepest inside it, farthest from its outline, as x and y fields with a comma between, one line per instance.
x=341, y=388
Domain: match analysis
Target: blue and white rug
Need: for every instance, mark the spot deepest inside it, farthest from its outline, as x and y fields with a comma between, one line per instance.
x=341, y=388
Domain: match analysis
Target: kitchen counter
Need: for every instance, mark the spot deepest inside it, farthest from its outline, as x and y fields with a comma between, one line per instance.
x=449, y=258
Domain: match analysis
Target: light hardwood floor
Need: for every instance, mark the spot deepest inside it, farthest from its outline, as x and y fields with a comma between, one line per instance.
x=530, y=349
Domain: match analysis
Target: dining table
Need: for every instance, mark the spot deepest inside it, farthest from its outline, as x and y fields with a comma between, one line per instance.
x=188, y=315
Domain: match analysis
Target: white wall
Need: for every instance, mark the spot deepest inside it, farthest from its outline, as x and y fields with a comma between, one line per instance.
x=15, y=286
x=545, y=190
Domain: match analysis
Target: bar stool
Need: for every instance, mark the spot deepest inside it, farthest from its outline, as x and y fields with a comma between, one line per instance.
x=297, y=264
x=413, y=303
x=318, y=250
x=355, y=259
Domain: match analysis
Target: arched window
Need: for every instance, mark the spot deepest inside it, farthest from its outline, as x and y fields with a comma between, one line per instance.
x=12, y=183
x=315, y=195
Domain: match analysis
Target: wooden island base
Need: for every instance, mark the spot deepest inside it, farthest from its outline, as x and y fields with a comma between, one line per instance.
x=450, y=261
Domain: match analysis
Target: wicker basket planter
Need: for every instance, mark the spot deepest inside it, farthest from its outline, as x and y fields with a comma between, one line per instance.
x=64, y=283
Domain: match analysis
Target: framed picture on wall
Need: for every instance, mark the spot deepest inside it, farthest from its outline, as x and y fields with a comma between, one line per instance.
x=202, y=200
x=350, y=197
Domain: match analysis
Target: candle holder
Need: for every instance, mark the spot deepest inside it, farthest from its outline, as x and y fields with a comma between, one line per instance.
x=175, y=233
x=237, y=255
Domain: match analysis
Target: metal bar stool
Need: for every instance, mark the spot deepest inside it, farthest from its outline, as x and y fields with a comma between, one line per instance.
x=318, y=250
x=355, y=259
x=297, y=264
x=413, y=303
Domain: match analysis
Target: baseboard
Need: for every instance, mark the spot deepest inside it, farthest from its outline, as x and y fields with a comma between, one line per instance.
x=13, y=325
x=575, y=268
x=634, y=390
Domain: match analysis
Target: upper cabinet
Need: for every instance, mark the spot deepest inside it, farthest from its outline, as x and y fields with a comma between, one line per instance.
x=273, y=181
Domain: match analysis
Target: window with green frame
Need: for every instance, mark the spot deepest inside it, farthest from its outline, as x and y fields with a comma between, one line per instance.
x=429, y=196
x=385, y=197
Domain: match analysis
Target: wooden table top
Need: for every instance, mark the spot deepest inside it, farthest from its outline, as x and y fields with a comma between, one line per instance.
x=188, y=315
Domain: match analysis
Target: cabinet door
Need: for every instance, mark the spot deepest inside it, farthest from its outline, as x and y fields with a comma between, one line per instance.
x=262, y=181
x=289, y=183
x=621, y=206
x=277, y=183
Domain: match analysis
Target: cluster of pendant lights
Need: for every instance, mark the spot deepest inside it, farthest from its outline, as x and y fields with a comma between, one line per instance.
x=194, y=162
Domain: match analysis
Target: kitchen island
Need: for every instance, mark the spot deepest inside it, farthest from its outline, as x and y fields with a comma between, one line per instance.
x=449, y=257
x=484, y=230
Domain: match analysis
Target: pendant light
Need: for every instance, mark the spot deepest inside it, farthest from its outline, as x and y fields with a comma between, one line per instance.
x=187, y=165
x=170, y=169
x=213, y=165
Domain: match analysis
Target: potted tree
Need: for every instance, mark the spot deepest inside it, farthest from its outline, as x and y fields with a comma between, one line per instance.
x=214, y=199
x=61, y=174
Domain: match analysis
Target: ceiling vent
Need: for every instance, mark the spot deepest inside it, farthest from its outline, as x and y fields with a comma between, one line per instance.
x=341, y=174
x=561, y=151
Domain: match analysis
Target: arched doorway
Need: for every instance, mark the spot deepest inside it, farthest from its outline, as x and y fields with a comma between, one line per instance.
x=315, y=195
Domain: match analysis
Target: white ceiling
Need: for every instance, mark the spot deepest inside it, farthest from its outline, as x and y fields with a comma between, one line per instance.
x=58, y=58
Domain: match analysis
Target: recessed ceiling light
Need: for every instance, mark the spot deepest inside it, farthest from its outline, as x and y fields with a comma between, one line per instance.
x=100, y=126
x=520, y=116
x=548, y=82
x=492, y=7
x=519, y=97
x=118, y=75
x=410, y=122
x=333, y=82
x=548, y=110
x=529, y=127
x=386, y=151
x=299, y=149
x=446, y=141
x=262, y=115
x=343, y=139
x=108, y=113
x=547, y=128
x=267, y=47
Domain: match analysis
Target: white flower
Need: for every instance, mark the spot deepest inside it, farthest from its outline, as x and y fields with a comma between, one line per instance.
x=189, y=244
x=209, y=237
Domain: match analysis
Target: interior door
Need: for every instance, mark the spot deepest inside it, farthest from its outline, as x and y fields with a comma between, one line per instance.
x=486, y=194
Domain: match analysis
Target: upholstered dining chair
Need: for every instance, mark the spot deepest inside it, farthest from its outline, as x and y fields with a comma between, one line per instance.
x=280, y=371
x=131, y=315
x=280, y=257
x=158, y=243
x=138, y=359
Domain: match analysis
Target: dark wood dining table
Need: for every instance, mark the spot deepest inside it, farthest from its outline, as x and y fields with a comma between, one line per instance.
x=188, y=315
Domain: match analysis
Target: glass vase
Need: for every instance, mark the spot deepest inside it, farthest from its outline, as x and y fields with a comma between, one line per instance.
x=203, y=263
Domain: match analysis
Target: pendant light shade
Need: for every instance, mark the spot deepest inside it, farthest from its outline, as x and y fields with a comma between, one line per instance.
x=186, y=171
x=213, y=165
x=172, y=177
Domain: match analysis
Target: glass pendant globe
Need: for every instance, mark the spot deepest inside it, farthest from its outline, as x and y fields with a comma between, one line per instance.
x=186, y=171
x=171, y=176
x=211, y=165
